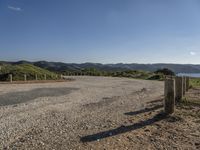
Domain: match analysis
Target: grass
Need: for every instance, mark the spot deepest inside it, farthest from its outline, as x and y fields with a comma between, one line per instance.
x=195, y=82
x=190, y=102
x=18, y=72
x=190, y=107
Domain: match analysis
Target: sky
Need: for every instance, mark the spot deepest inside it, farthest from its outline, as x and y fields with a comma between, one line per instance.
x=100, y=31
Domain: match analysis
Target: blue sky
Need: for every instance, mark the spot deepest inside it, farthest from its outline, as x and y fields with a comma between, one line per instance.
x=105, y=31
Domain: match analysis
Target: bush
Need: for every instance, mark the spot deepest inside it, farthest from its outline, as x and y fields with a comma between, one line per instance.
x=156, y=77
x=165, y=71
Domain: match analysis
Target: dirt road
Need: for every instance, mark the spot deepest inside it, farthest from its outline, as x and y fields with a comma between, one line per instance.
x=68, y=115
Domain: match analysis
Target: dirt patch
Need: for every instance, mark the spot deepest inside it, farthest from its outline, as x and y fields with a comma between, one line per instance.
x=25, y=96
x=105, y=113
x=62, y=122
x=149, y=128
x=104, y=102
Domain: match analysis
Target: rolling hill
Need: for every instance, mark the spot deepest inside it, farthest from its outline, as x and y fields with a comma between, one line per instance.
x=19, y=69
x=60, y=67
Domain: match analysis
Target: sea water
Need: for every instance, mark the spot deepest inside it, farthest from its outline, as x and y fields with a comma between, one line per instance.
x=196, y=75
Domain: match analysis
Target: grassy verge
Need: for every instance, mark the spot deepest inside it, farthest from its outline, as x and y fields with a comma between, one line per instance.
x=190, y=102
x=195, y=82
x=190, y=107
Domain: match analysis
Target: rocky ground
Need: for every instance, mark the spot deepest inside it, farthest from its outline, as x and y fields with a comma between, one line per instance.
x=95, y=113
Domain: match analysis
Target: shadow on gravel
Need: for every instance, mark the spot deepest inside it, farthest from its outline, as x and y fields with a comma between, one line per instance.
x=144, y=110
x=25, y=96
x=123, y=129
x=156, y=101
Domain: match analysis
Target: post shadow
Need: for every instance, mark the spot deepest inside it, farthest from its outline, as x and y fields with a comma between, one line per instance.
x=122, y=129
x=144, y=110
x=156, y=101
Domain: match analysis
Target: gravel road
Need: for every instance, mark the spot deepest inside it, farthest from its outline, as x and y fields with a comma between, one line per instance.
x=60, y=115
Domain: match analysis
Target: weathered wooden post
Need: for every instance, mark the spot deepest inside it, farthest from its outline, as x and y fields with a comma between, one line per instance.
x=36, y=77
x=25, y=78
x=178, y=88
x=45, y=77
x=184, y=85
x=187, y=83
x=11, y=78
x=169, y=96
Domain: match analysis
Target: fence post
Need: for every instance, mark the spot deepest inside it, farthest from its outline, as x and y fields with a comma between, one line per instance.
x=187, y=83
x=169, y=96
x=45, y=77
x=36, y=78
x=178, y=88
x=184, y=85
x=11, y=78
x=25, y=77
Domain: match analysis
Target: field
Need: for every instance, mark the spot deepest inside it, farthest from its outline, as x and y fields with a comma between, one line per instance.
x=95, y=113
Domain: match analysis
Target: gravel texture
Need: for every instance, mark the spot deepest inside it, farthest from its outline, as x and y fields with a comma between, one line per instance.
x=72, y=115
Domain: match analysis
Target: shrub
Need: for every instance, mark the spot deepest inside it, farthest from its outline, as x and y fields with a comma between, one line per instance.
x=165, y=71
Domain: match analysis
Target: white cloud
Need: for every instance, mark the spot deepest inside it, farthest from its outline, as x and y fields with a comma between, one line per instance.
x=14, y=8
x=192, y=53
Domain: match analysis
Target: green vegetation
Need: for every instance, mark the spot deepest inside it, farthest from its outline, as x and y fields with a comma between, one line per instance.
x=165, y=71
x=195, y=82
x=190, y=105
x=18, y=72
x=190, y=102
x=19, y=69
x=128, y=73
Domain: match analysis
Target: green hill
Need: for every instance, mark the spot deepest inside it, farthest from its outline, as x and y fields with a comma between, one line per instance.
x=19, y=70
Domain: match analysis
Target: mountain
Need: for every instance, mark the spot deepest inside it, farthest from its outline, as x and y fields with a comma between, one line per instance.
x=177, y=68
x=62, y=67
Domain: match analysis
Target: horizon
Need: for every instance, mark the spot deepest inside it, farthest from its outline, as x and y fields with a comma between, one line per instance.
x=95, y=62
x=106, y=32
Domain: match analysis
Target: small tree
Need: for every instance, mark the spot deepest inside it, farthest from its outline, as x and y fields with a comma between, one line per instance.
x=165, y=71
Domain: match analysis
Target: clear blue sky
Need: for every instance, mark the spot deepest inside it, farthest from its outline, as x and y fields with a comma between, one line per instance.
x=105, y=31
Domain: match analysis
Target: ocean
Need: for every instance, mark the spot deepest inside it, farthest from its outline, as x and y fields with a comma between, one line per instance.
x=196, y=75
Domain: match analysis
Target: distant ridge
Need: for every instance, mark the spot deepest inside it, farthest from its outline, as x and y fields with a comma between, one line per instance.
x=61, y=67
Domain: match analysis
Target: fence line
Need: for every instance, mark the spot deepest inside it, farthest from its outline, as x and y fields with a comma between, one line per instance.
x=35, y=77
x=174, y=90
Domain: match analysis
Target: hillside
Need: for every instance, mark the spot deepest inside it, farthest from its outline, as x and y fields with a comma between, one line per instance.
x=18, y=71
x=177, y=68
x=61, y=67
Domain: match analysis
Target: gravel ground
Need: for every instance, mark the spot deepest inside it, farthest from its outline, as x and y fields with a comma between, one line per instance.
x=69, y=115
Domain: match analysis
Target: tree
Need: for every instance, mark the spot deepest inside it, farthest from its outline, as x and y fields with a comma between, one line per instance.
x=165, y=71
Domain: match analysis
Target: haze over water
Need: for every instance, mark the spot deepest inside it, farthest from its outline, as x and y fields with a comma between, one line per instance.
x=196, y=75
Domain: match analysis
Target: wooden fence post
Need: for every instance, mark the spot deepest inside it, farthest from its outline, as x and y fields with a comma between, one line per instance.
x=11, y=78
x=36, y=77
x=184, y=85
x=169, y=96
x=178, y=88
x=45, y=77
x=25, y=77
x=187, y=83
